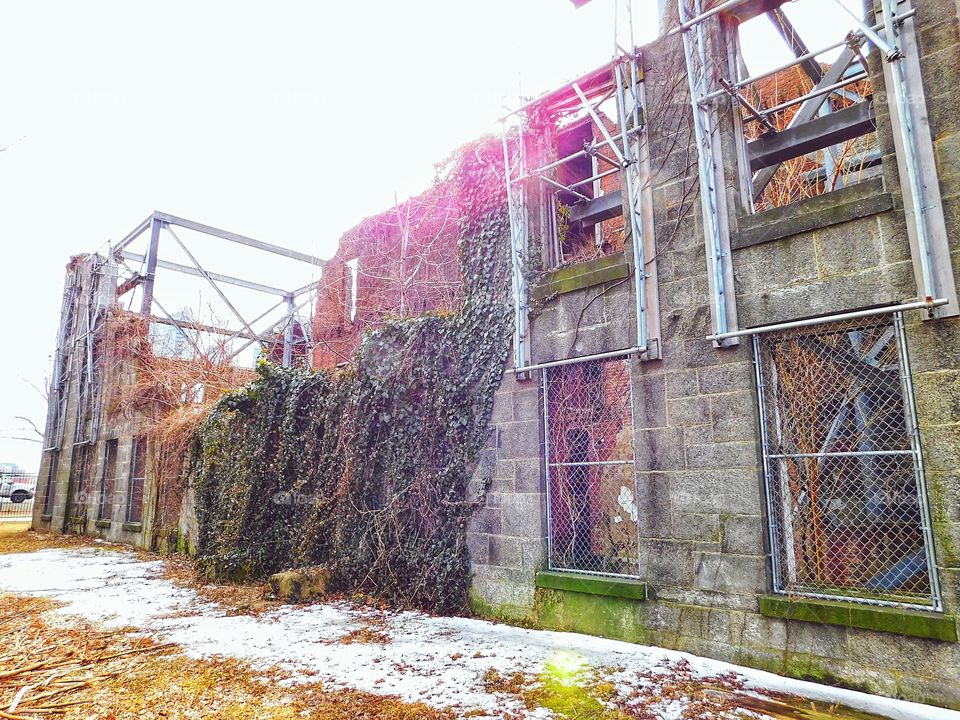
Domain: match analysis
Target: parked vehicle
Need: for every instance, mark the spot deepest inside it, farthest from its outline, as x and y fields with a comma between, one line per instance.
x=17, y=489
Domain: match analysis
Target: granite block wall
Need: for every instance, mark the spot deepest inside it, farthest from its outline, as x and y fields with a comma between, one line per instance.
x=700, y=490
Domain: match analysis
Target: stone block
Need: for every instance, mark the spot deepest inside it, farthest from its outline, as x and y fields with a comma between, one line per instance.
x=733, y=417
x=943, y=111
x=687, y=323
x=931, y=690
x=696, y=526
x=478, y=545
x=522, y=514
x=700, y=352
x=505, y=551
x=682, y=383
x=519, y=440
x=502, y=408
x=485, y=520
x=894, y=238
x=659, y=449
x=649, y=401
x=947, y=150
x=528, y=476
x=723, y=492
x=667, y=563
x=933, y=345
x=764, y=632
x=654, y=505
x=937, y=397
x=813, y=639
x=726, y=378
x=688, y=411
x=848, y=248
x=723, y=455
x=738, y=574
x=944, y=490
x=681, y=263
x=580, y=309
x=742, y=534
x=526, y=402
x=893, y=652
x=941, y=447
x=501, y=593
x=941, y=72
x=787, y=262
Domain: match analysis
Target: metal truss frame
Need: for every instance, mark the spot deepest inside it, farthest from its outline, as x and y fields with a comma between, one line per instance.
x=159, y=222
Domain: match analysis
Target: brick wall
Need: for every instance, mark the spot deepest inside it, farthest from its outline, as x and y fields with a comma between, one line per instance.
x=406, y=263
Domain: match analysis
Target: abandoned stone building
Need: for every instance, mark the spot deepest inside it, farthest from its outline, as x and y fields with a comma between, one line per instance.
x=730, y=423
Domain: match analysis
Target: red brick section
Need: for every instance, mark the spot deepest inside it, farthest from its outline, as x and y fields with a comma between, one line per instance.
x=407, y=265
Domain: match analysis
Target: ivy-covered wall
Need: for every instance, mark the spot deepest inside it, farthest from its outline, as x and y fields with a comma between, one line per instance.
x=365, y=469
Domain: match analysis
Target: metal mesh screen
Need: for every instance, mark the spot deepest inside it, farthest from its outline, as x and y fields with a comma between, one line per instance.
x=591, y=483
x=847, y=505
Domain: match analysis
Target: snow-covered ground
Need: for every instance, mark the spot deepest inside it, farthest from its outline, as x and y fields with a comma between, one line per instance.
x=440, y=661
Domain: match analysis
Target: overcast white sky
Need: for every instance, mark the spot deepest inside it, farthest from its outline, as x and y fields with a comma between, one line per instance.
x=288, y=122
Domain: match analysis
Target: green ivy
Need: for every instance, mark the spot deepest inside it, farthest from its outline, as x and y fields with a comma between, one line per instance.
x=367, y=469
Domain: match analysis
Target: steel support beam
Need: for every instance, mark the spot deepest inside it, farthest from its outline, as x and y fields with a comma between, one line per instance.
x=916, y=162
x=288, y=333
x=213, y=284
x=187, y=270
x=134, y=234
x=150, y=272
x=597, y=210
x=213, y=329
x=837, y=127
x=716, y=225
x=807, y=112
x=239, y=239
x=790, y=36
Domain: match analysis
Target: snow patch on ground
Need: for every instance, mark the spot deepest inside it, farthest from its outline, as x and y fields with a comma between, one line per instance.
x=437, y=660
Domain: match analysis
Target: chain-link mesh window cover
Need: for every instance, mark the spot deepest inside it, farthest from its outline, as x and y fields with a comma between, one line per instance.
x=591, y=486
x=848, y=512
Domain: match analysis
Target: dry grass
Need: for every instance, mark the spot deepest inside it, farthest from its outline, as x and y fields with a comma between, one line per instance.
x=238, y=599
x=19, y=538
x=68, y=669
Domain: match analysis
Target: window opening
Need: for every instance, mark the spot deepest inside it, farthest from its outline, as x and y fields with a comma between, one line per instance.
x=138, y=473
x=844, y=475
x=591, y=486
x=108, y=480
x=353, y=272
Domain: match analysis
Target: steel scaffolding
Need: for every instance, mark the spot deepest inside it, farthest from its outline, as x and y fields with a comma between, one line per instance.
x=711, y=79
x=620, y=81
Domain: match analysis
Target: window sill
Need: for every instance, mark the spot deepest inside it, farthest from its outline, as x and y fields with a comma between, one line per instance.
x=582, y=275
x=102, y=523
x=592, y=584
x=865, y=617
x=132, y=526
x=840, y=206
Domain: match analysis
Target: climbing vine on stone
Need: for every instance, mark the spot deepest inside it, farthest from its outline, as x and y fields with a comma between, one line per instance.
x=367, y=469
